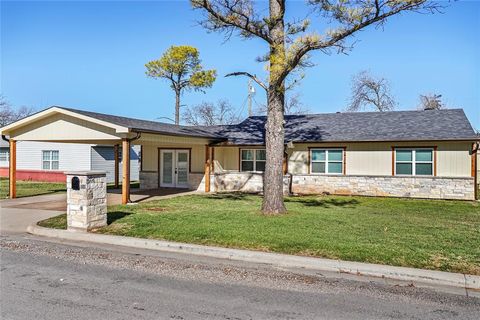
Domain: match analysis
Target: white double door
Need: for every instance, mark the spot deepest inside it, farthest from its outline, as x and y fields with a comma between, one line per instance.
x=174, y=168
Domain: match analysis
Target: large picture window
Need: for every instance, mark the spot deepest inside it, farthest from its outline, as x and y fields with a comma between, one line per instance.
x=328, y=161
x=252, y=159
x=414, y=162
x=50, y=160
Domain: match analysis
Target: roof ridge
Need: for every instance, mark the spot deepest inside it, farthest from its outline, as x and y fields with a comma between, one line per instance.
x=116, y=116
x=361, y=112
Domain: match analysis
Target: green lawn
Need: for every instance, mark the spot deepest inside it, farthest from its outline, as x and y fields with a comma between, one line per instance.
x=31, y=188
x=443, y=235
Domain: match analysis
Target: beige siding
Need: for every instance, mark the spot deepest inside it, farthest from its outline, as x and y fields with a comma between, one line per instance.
x=60, y=127
x=161, y=140
x=226, y=159
x=150, y=156
x=453, y=158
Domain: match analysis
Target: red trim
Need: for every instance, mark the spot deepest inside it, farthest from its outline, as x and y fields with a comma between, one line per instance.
x=36, y=175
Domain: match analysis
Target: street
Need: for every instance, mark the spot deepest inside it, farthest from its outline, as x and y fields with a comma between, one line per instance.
x=53, y=280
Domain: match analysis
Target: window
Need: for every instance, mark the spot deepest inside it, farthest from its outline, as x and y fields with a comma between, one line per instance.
x=50, y=160
x=416, y=162
x=253, y=159
x=4, y=156
x=326, y=161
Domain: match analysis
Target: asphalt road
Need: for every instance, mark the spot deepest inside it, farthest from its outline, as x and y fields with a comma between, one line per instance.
x=45, y=280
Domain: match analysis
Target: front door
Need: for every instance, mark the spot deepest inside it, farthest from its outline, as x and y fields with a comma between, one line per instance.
x=174, y=168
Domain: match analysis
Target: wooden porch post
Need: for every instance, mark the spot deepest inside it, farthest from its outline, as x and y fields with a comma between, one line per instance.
x=475, y=169
x=13, y=169
x=285, y=163
x=125, y=171
x=116, y=157
x=207, y=168
x=213, y=160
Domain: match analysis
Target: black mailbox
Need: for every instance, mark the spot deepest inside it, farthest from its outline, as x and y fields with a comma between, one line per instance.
x=75, y=183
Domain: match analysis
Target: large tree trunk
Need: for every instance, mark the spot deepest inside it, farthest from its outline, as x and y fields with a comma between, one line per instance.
x=177, y=107
x=274, y=128
x=274, y=141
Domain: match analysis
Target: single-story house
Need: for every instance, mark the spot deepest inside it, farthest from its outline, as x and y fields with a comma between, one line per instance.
x=47, y=161
x=420, y=154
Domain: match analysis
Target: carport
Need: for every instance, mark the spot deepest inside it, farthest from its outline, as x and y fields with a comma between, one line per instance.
x=160, y=143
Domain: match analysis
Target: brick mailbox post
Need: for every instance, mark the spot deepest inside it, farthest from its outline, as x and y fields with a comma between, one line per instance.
x=86, y=200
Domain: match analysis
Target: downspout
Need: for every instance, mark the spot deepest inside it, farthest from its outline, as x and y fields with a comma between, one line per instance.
x=5, y=138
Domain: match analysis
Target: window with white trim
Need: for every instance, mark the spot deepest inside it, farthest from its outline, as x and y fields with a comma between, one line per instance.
x=50, y=160
x=252, y=159
x=4, y=155
x=328, y=161
x=414, y=162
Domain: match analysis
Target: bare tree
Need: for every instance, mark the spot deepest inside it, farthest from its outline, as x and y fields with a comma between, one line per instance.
x=8, y=114
x=209, y=114
x=289, y=43
x=431, y=101
x=293, y=105
x=370, y=91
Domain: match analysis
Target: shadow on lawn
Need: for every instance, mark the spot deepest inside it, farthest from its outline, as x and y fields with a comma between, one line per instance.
x=325, y=203
x=228, y=196
x=116, y=215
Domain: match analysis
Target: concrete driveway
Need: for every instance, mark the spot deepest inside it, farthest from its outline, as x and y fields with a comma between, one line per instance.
x=17, y=214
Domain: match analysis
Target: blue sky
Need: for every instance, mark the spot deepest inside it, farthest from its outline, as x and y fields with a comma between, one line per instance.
x=91, y=55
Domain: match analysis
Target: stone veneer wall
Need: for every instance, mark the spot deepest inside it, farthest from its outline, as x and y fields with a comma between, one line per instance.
x=87, y=207
x=249, y=182
x=148, y=180
x=196, y=181
x=387, y=186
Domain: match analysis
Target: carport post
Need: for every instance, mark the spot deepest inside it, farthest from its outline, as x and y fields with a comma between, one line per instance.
x=13, y=169
x=115, y=156
x=125, y=170
x=207, y=168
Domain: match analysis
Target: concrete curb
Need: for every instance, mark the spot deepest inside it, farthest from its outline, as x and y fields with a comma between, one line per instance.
x=455, y=282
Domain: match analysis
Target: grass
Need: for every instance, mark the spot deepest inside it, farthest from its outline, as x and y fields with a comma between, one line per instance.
x=441, y=235
x=31, y=188
x=27, y=188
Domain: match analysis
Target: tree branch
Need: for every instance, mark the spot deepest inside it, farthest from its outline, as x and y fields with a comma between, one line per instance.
x=251, y=76
x=378, y=15
x=237, y=16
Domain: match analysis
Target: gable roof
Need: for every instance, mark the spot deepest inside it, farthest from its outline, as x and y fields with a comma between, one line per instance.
x=148, y=125
x=431, y=125
x=448, y=124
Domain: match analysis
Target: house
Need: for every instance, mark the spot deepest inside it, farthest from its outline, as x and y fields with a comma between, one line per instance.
x=418, y=154
x=47, y=161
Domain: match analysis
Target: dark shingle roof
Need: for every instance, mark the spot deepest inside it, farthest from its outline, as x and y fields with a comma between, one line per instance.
x=149, y=126
x=451, y=124
x=448, y=124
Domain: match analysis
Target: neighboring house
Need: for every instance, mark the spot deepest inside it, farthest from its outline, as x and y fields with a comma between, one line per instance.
x=419, y=154
x=47, y=161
